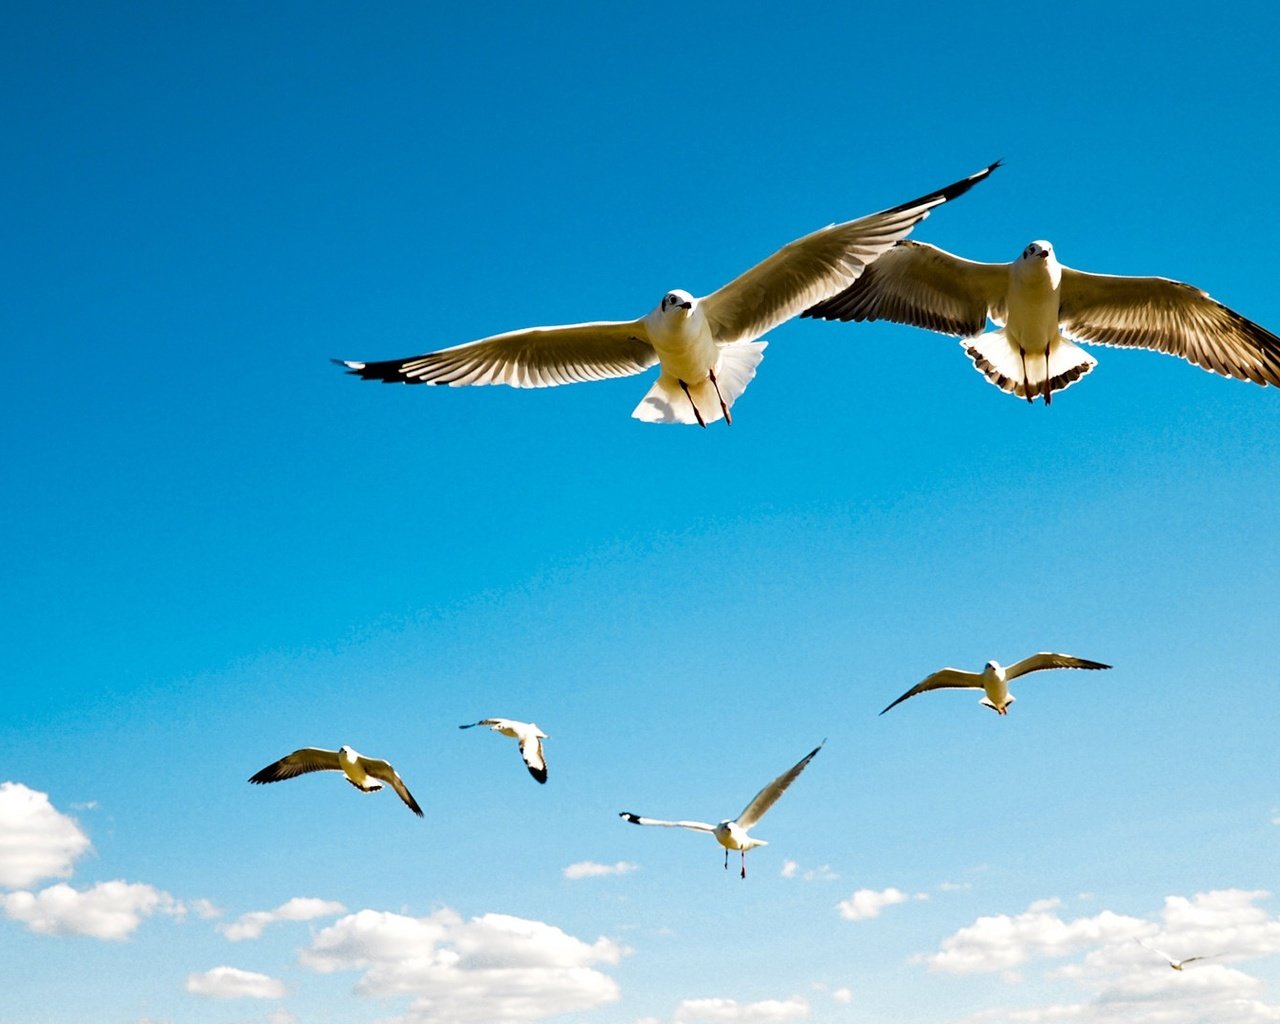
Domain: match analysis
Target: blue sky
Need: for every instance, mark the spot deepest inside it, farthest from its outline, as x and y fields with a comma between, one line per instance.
x=221, y=548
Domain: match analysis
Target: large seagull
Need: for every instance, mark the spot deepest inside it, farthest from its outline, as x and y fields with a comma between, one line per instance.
x=732, y=833
x=367, y=774
x=1041, y=308
x=707, y=347
x=993, y=680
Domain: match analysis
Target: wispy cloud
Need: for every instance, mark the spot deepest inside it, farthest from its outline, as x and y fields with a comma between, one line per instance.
x=36, y=840
x=822, y=873
x=108, y=910
x=722, y=1010
x=868, y=903
x=300, y=908
x=233, y=983
x=594, y=869
x=493, y=968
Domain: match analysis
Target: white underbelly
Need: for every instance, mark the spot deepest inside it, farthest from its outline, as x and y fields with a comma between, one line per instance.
x=1032, y=321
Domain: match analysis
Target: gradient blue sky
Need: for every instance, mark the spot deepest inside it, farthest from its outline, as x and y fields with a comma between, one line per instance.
x=220, y=548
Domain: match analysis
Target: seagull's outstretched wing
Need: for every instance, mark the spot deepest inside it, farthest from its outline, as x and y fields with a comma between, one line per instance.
x=382, y=770
x=1167, y=316
x=635, y=819
x=308, y=759
x=943, y=679
x=531, y=752
x=921, y=285
x=815, y=267
x=491, y=722
x=768, y=796
x=1044, y=660
x=539, y=357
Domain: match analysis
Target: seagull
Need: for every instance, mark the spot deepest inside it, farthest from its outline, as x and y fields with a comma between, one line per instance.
x=732, y=834
x=1177, y=965
x=994, y=679
x=530, y=737
x=707, y=347
x=1042, y=307
x=362, y=772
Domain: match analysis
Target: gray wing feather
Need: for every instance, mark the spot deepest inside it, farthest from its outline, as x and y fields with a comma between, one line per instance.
x=815, y=267
x=1045, y=659
x=635, y=819
x=300, y=762
x=768, y=796
x=382, y=770
x=943, y=679
x=539, y=357
x=924, y=286
x=1167, y=316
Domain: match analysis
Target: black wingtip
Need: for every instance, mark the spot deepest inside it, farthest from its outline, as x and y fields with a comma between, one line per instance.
x=949, y=192
x=540, y=774
x=628, y=816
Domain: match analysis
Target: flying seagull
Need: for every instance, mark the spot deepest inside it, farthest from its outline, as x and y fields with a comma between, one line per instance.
x=362, y=772
x=1042, y=307
x=1177, y=965
x=530, y=737
x=732, y=834
x=707, y=347
x=994, y=679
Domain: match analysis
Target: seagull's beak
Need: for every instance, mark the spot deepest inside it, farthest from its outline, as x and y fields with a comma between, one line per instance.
x=1043, y=254
x=686, y=305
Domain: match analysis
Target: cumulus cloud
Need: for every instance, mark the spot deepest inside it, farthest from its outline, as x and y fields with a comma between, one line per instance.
x=1120, y=982
x=108, y=910
x=36, y=840
x=868, y=903
x=493, y=968
x=233, y=983
x=822, y=873
x=842, y=995
x=718, y=1010
x=204, y=909
x=593, y=869
x=300, y=908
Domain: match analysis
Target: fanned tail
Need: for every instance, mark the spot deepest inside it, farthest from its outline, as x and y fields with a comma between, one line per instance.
x=1001, y=362
x=666, y=401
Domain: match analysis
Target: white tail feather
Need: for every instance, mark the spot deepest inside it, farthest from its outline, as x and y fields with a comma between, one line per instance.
x=1001, y=362
x=666, y=401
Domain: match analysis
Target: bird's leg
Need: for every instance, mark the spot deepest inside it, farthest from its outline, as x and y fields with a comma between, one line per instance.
x=723, y=408
x=726, y=858
x=696, y=411
x=1048, y=390
x=744, y=863
x=1026, y=381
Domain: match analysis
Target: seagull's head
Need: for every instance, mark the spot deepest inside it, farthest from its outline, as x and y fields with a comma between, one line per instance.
x=993, y=666
x=676, y=303
x=1038, y=250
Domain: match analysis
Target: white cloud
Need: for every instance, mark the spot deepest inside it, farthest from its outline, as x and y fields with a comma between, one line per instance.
x=842, y=995
x=108, y=910
x=204, y=909
x=718, y=1010
x=593, y=869
x=1000, y=941
x=822, y=873
x=233, y=983
x=494, y=968
x=954, y=886
x=300, y=908
x=867, y=903
x=1120, y=982
x=36, y=840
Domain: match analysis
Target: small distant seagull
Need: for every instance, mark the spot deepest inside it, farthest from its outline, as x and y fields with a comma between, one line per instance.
x=362, y=772
x=707, y=346
x=732, y=834
x=1177, y=965
x=530, y=737
x=994, y=679
x=1039, y=304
